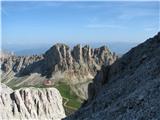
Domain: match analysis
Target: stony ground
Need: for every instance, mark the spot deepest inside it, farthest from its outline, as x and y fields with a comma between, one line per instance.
x=127, y=90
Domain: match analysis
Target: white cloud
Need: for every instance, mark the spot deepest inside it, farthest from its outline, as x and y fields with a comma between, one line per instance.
x=130, y=14
x=150, y=29
x=105, y=26
x=29, y=5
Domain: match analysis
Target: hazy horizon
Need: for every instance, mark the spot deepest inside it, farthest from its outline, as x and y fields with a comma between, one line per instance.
x=33, y=25
x=118, y=47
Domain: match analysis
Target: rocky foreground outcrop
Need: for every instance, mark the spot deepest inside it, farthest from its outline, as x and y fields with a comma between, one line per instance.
x=30, y=103
x=129, y=89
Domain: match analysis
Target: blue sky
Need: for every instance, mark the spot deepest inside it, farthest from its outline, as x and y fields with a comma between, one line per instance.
x=32, y=23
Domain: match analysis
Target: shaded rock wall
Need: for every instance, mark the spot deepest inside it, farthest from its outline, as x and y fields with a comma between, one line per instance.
x=128, y=89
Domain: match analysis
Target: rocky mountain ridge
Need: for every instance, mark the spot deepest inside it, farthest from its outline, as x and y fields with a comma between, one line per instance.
x=76, y=66
x=59, y=58
x=128, y=89
x=78, y=61
x=30, y=103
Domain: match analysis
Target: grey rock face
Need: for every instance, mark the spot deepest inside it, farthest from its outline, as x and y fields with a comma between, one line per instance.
x=57, y=58
x=31, y=103
x=128, y=89
x=17, y=64
x=81, y=61
x=77, y=53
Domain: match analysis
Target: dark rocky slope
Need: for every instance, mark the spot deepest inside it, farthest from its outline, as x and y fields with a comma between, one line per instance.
x=129, y=89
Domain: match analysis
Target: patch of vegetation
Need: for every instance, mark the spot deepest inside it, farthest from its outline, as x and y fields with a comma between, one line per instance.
x=67, y=92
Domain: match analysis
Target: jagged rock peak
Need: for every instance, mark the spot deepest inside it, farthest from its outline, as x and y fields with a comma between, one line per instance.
x=78, y=53
x=58, y=46
x=31, y=103
x=61, y=58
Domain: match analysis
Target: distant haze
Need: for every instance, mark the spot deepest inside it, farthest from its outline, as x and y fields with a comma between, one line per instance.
x=31, y=27
x=118, y=47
